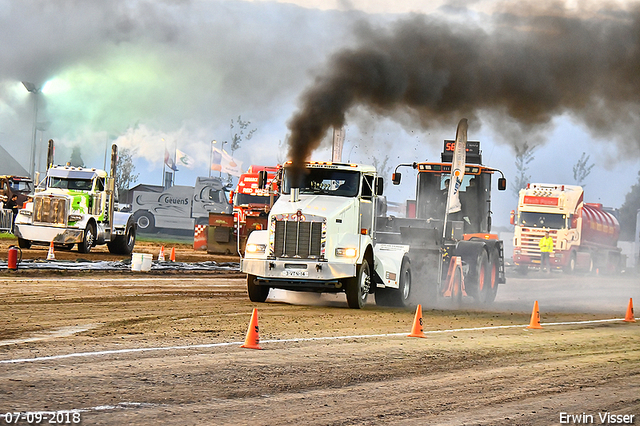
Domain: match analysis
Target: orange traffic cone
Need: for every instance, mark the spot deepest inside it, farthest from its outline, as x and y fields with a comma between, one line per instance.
x=535, y=317
x=253, y=337
x=173, y=254
x=416, y=331
x=161, y=255
x=51, y=255
x=629, y=317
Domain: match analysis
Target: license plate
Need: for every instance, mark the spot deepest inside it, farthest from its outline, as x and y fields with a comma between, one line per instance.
x=294, y=273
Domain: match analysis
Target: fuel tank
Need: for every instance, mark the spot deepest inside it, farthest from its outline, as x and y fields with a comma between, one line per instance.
x=599, y=226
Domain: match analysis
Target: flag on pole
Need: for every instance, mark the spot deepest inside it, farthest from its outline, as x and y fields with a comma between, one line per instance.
x=216, y=160
x=184, y=159
x=225, y=163
x=457, y=167
x=169, y=161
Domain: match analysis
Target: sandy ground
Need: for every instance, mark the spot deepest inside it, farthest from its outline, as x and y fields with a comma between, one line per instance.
x=127, y=348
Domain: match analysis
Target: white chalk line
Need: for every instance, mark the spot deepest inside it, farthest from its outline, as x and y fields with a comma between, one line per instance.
x=298, y=339
x=151, y=278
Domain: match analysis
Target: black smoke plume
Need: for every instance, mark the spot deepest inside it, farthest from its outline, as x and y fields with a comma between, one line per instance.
x=531, y=66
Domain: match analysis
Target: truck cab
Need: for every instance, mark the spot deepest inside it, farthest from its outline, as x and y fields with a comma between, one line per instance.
x=15, y=185
x=320, y=235
x=76, y=205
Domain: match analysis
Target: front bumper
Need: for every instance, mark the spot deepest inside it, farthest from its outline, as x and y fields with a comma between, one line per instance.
x=558, y=260
x=296, y=271
x=47, y=234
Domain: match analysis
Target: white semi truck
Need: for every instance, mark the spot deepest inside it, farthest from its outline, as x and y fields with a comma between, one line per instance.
x=179, y=207
x=321, y=237
x=76, y=206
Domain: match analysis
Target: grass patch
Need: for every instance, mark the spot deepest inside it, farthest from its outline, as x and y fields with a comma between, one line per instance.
x=7, y=236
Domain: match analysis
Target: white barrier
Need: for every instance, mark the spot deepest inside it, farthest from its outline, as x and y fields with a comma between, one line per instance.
x=6, y=217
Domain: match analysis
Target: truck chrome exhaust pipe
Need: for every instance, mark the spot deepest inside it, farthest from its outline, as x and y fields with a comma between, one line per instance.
x=295, y=195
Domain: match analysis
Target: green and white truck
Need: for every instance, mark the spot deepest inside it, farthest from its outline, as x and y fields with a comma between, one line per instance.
x=77, y=205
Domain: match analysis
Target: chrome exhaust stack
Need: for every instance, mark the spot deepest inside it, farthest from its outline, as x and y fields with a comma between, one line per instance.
x=295, y=195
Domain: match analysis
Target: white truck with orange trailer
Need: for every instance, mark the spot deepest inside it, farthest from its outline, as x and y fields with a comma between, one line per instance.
x=585, y=235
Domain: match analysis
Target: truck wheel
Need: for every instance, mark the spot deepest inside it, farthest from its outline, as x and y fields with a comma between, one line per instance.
x=490, y=284
x=257, y=293
x=571, y=266
x=400, y=296
x=145, y=221
x=475, y=280
x=405, y=284
x=123, y=244
x=24, y=244
x=88, y=239
x=357, y=288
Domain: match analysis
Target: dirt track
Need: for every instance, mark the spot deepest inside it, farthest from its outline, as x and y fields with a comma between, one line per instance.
x=180, y=360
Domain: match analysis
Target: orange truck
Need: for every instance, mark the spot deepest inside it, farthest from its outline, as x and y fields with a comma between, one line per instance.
x=585, y=235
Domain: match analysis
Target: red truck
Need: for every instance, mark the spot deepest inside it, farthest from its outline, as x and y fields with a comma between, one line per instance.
x=251, y=206
x=585, y=235
x=251, y=201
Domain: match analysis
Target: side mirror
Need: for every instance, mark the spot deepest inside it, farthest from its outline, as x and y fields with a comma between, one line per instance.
x=502, y=184
x=262, y=179
x=379, y=185
x=512, y=218
x=395, y=178
x=231, y=197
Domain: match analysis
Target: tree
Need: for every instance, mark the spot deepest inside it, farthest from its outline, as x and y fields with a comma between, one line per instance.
x=628, y=213
x=382, y=168
x=76, y=158
x=125, y=169
x=524, y=155
x=239, y=135
x=581, y=170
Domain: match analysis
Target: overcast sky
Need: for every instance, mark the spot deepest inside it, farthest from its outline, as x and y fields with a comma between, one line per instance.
x=146, y=74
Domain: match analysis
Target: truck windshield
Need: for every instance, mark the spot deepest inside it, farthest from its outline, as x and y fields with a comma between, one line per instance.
x=74, y=184
x=20, y=186
x=344, y=183
x=542, y=220
x=246, y=199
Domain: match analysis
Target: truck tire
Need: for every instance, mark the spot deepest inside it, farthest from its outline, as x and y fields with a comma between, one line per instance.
x=489, y=288
x=474, y=282
x=571, y=266
x=145, y=221
x=89, y=238
x=123, y=244
x=397, y=297
x=24, y=244
x=357, y=288
x=257, y=293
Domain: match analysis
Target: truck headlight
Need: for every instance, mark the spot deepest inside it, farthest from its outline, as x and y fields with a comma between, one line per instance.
x=255, y=248
x=25, y=212
x=75, y=217
x=346, y=252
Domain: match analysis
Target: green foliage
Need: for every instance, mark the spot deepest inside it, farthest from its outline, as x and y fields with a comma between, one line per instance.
x=628, y=213
x=581, y=170
x=125, y=170
x=524, y=156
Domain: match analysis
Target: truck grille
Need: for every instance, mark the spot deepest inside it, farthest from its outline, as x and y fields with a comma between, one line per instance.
x=51, y=210
x=530, y=243
x=298, y=239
